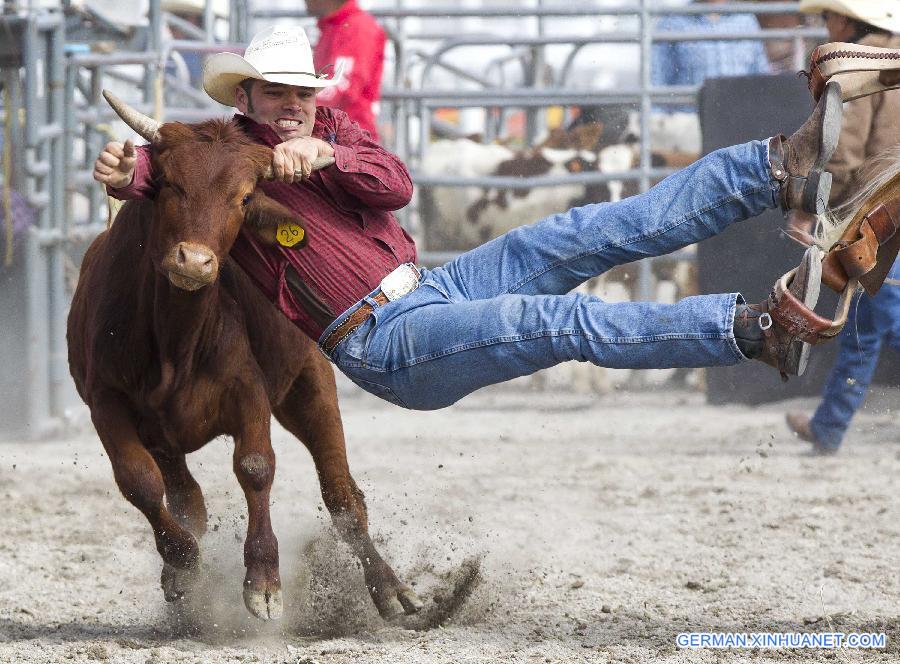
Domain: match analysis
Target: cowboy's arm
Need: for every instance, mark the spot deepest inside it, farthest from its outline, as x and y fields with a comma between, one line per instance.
x=365, y=175
x=141, y=182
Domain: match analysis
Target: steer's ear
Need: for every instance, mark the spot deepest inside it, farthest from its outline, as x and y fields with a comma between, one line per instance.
x=266, y=216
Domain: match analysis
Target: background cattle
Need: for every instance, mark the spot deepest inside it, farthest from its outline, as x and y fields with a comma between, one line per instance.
x=460, y=218
x=171, y=345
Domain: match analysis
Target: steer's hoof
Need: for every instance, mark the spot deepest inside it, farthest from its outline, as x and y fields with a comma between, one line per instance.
x=176, y=583
x=396, y=602
x=410, y=601
x=264, y=605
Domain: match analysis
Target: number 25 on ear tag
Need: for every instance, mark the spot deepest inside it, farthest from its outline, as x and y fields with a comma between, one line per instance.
x=289, y=234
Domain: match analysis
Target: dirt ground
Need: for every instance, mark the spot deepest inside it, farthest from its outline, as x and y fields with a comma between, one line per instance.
x=537, y=527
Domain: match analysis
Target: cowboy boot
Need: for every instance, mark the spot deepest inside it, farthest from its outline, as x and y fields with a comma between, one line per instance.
x=798, y=162
x=777, y=330
x=799, y=424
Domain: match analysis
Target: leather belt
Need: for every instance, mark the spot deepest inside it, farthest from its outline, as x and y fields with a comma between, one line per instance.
x=401, y=281
x=353, y=321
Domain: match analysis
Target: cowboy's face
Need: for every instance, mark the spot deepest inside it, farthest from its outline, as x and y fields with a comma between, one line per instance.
x=840, y=28
x=289, y=110
x=320, y=8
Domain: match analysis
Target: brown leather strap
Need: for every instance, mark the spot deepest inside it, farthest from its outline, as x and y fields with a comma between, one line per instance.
x=884, y=219
x=776, y=158
x=865, y=252
x=816, y=82
x=887, y=254
x=352, y=322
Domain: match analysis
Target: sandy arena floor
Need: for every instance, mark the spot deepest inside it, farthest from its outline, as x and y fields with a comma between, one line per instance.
x=537, y=527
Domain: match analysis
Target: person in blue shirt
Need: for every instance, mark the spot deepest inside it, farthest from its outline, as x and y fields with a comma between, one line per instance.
x=692, y=62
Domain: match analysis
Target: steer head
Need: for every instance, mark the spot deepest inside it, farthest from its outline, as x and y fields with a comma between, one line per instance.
x=208, y=177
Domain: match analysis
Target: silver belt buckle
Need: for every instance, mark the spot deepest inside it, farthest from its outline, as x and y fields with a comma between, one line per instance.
x=402, y=281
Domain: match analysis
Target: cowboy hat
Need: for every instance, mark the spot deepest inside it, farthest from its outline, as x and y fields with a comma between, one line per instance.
x=277, y=55
x=884, y=14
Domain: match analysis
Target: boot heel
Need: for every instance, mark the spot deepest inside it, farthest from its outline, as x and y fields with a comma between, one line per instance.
x=817, y=187
x=810, y=275
x=799, y=357
x=816, y=192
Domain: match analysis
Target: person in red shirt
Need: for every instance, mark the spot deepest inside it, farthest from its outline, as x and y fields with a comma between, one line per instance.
x=424, y=338
x=350, y=38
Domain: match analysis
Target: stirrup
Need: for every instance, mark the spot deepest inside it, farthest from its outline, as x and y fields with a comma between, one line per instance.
x=861, y=70
x=790, y=350
x=801, y=321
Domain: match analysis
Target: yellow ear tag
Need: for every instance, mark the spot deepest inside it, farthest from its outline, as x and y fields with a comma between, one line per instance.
x=289, y=234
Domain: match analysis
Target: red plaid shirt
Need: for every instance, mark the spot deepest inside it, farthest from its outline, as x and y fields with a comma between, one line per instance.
x=353, y=238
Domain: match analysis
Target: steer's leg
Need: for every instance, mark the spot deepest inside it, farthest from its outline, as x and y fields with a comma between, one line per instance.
x=254, y=466
x=310, y=412
x=185, y=501
x=140, y=480
x=183, y=495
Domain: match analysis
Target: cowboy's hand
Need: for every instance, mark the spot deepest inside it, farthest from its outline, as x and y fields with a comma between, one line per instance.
x=292, y=160
x=115, y=165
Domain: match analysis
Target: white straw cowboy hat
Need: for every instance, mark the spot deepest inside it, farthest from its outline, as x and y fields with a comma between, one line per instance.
x=276, y=55
x=884, y=14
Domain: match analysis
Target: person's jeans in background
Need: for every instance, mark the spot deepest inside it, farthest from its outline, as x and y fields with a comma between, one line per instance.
x=504, y=310
x=872, y=322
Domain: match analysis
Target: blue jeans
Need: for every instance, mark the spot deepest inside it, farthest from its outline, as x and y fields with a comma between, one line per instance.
x=872, y=321
x=504, y=310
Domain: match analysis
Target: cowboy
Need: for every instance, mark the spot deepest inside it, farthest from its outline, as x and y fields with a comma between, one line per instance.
x=870, y=128
x=424, y=338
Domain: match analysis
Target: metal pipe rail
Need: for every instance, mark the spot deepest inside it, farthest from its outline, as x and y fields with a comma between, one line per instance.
x=621, y=37
x=64, y=108
x=37, y=41
x=514, y=182
x=541, y=97
x=59, y=99
x=571, y=9
x=432, y=259
x=645, y=95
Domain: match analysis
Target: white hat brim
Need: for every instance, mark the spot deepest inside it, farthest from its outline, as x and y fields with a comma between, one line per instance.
x=873, y=12
x=223, y=72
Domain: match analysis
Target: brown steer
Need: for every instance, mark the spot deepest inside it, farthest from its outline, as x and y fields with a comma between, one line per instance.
x=171, y=345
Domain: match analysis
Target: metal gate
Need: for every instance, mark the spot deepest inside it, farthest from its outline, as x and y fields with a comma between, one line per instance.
x=56, y=122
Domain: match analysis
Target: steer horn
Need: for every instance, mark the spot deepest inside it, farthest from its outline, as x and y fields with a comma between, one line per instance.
x=318, y=163
x=145, y=126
